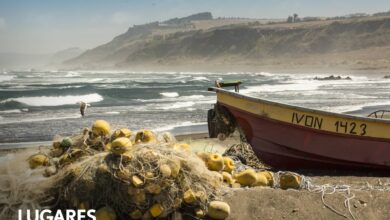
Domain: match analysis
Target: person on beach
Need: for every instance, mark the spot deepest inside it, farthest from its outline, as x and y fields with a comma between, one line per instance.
x=83, y=108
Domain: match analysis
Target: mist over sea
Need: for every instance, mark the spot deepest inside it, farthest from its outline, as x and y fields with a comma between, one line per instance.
x=35, y=106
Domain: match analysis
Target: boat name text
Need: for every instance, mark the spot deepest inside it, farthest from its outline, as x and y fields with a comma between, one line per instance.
x=340, y=126
x=307, y=120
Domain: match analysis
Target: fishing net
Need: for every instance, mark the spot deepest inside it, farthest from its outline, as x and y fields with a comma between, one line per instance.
x=105, y=178
x=82, y=173
x=244, y=154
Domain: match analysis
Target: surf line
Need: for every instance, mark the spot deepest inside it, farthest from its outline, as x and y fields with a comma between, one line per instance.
x=307, y=120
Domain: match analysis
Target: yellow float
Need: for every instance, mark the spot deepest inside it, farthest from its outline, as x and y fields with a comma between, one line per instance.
x=189, y=197
x=165, y=170
x=227, y=178
x=105, y=213
x=123, y=132
x=247, y=177
x=120, y=145
x=38, y=160
x=215, y=162
x=218, y=210
x=101, y=128
x=136, y=214
x=261, y=180
x=145, y=136
x=182, y=146
x=228, y=164
x=289, y=180
x=270, y=177
x=156, y=210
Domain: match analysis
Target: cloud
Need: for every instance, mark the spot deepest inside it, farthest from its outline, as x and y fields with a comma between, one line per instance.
x=3, y=24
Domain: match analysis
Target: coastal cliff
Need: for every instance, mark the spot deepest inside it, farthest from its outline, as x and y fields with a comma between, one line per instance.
x=356, y=43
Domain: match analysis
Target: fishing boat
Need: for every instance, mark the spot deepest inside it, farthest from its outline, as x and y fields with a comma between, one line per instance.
x=291, y=137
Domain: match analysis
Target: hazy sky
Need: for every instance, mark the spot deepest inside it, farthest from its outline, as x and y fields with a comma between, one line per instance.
x=46, y=26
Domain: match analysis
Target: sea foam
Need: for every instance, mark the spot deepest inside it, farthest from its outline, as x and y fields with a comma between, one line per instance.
x=56, y=100
x=169, y=94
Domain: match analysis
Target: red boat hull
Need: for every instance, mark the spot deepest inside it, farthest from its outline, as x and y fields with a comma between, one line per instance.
x=287, y=146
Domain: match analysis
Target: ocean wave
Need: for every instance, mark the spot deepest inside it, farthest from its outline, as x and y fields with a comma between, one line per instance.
x=56, y=100
x=72, y=74
x=194, y=97
x=178, y=105
x=169, y=94
x=4, y=78
x=178, y=125
x=353, y=107
x=172, y=98
x=200, y=78
x=112, y=113
x=14, y=111
x=279, y=88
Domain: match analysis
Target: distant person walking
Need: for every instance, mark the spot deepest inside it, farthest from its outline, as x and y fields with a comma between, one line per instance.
x=83, y=108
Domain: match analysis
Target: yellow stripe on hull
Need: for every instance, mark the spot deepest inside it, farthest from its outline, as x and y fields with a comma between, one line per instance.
x=315, y=119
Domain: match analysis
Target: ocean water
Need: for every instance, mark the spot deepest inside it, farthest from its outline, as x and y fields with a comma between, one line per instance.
x=35, y=106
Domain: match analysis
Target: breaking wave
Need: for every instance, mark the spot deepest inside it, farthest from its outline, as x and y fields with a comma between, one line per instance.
x=169, y=94
x=4, y=78
x=56, y=100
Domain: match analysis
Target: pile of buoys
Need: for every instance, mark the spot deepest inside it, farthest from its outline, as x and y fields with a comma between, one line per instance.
x=123, y=174
x=136, y=172
x=226, y=167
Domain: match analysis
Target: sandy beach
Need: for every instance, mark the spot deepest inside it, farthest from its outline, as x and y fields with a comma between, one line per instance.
x=369, y=191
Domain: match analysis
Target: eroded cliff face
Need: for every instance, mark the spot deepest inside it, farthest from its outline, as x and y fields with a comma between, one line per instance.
x=347, y=41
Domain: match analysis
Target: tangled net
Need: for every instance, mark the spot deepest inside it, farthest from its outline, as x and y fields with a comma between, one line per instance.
x=244, y=153
x=106, y=179
x=145, y=176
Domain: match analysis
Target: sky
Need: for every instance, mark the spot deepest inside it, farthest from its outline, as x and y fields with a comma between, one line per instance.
x=47, y=26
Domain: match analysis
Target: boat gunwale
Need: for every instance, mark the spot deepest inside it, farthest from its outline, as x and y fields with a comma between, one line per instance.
x=295, y=126
x=261, y=100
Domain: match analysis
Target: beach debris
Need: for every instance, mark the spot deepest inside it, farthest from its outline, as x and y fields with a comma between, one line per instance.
x=144, y=175
x=38, y=160
x=123, y=132
x=261, y=180
x=200, y=213
x=146, y=178
x=246, y=178
x=227, y=178
x=145, y=136
x=244, y=154
x=120, y=145
x=156, y=210
x=288, y=180
x=218, y=210
x=66, y=143
x=228, y=164
x=215, y=162
x=182, y=146
x=105, y=213
x=101, y=128
x=269, y=176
